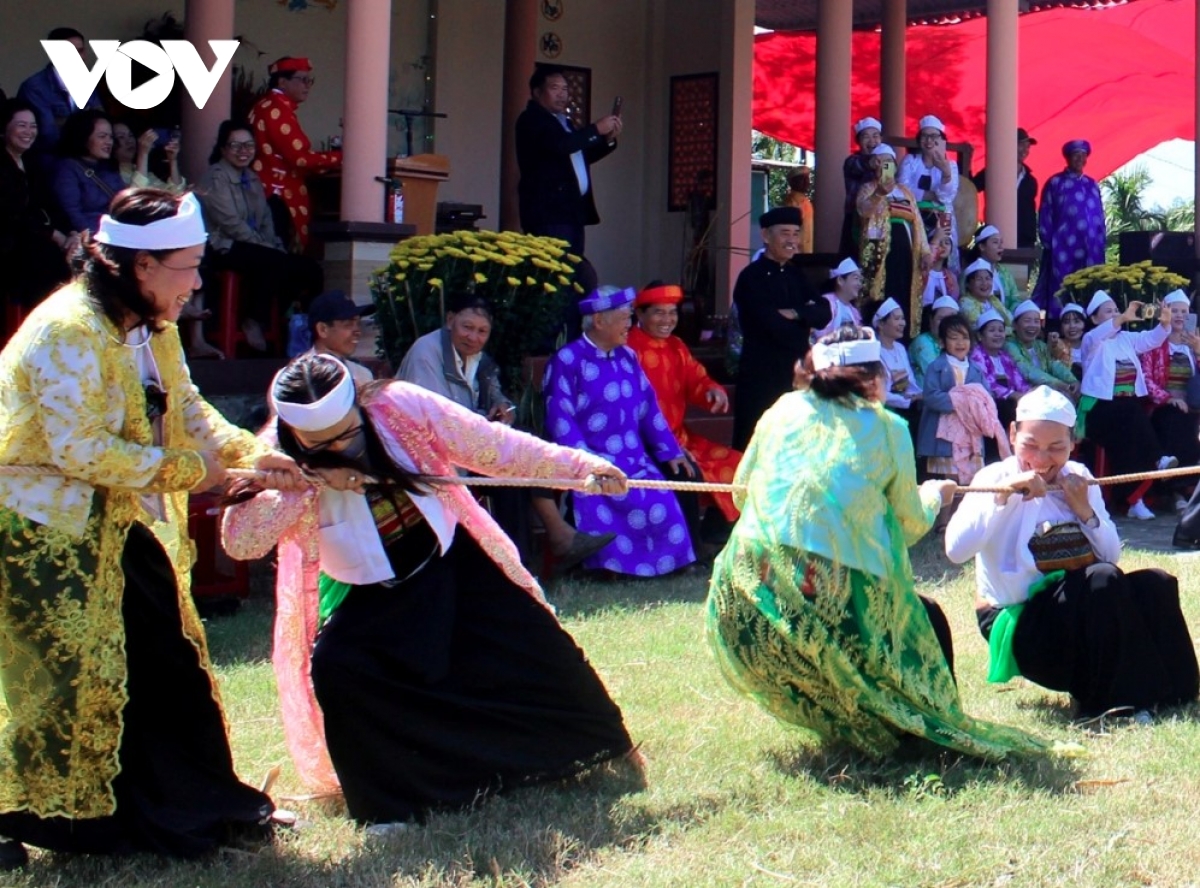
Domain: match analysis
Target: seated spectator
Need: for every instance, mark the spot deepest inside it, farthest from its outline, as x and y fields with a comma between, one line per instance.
x=1169, y=370
x=242, y=235
x=1033, y=357
x=842, y=292
x=925, y=348
x=1001, y=377
x=977, y=294
x=52, y=104
x=678, y=380
x=32, y=251
x=599, y=400
x=1071, y=326
x=335, y=324
x=133, y=159
x=989, y=246
x=903, y=394
x=954, y=388
x=86, y=178
x=1073, y=623
x=1115, y=396
x=940, y=281
x=452, y=362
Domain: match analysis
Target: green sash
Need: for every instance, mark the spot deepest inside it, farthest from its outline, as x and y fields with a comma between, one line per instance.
x=1002, y=665
x=330, y=595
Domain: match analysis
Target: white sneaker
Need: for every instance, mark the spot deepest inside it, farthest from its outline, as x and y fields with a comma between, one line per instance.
x=1167, y=462
x=1180, y=504
x=1139, y=511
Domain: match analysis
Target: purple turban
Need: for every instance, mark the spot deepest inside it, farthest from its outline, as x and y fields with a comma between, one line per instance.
x=1077, y=145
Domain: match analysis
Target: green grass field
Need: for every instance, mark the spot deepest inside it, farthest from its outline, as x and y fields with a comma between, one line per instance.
x=733, y=798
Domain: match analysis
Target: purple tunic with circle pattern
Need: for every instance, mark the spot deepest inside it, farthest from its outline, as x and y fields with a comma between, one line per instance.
x=602, y=402
x=1071, y=226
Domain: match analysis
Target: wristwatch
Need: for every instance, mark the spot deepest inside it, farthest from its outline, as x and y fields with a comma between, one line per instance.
x=1093, y=522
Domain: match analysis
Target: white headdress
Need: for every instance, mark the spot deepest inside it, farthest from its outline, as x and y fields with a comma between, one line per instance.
x=856, y=351
x=184, y=229
x=321, y=414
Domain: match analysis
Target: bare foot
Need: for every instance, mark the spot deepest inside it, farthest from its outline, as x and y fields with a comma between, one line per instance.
x=202, y=350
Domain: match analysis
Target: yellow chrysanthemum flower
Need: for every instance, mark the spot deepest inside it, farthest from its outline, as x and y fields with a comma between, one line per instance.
x=480, y=277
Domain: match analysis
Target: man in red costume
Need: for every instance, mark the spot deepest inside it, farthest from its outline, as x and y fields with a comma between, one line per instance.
x=285, y=157
x=678, y=380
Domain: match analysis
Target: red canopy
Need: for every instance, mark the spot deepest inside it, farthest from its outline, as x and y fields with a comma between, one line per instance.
x=1122, y=78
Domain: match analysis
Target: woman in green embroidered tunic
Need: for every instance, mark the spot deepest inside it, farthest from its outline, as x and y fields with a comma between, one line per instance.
x=812, y=610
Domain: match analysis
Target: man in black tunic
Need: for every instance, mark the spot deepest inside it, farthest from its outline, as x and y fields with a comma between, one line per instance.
x=777, y=310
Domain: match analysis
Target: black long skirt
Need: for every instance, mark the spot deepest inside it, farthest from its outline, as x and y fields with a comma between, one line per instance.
x=177, y=793
x=454, y=684
x=1110, y=639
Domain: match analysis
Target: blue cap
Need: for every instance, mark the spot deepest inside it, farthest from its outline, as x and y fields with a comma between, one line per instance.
x=606, y=299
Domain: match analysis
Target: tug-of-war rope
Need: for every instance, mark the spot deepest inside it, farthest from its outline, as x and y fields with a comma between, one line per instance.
x=643, y=483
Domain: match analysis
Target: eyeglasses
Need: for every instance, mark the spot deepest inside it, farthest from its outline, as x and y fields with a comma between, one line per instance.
x=927, y=136
x=156, y=401
x=349, y=435
x=305, y=79
x=240, y=146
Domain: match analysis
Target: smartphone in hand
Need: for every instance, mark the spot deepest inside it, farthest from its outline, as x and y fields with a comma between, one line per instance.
x=617, y=103
x=925, y=182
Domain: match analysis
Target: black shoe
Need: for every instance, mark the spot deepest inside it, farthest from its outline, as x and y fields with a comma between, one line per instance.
x=582, y=546
x=1179, y=541
x=13, y=855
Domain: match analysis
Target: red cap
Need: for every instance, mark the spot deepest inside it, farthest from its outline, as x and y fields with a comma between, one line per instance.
x=288, y=65
x=668, y=294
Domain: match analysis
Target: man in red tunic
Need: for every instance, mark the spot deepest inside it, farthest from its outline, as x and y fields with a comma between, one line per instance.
x=679, y=380
x=285, y=157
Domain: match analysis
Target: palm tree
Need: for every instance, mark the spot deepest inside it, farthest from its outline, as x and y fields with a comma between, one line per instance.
x=1125, y=209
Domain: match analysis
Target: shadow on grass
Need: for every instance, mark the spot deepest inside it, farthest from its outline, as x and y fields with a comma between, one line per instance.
x=587, y=596
x=242, y=638
x=924, y=770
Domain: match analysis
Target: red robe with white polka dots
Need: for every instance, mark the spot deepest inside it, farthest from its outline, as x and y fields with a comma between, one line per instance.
x=285, y=158
x=678, y=379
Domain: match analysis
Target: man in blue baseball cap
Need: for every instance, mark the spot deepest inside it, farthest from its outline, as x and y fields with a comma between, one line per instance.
x=335, y=324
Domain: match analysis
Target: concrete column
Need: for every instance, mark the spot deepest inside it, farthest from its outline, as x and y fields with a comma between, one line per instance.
x=520, y=53
x=893, y=67
x=205, y=20
x=731, y=231
x=835, y=20
x=365, y=117
x=1196, y=166
x=1001, y=118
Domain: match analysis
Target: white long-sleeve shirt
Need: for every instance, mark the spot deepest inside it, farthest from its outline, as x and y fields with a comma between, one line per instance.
x=997, y=537
x=1104, y=346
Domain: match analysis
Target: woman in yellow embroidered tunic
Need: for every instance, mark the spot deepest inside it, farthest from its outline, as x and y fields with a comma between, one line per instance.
x=812, y=611
x=112, y=738
x=894, y=247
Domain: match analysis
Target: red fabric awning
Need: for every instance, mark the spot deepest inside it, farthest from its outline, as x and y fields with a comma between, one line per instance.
x=1122, y=78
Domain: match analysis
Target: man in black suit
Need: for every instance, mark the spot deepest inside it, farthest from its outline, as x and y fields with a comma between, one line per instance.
x=555, y=189
x=1027, y=191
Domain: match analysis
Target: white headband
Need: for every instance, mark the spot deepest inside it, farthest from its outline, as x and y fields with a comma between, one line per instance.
x=845, y=267
x=888, y=306
x=867, y=123
x=857, y=351
x=1025, y=308
x=883, y=148
x=976, y=266
x=987, y=317
x=184, y=229
x=944, y=302
x=986, y=232
x=1072, y=307
x=322, y=414
x=931, y=122
x=1045, y=403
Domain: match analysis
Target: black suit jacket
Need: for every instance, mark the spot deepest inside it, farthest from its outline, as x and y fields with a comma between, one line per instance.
x=548, y=190
x=1027, y=218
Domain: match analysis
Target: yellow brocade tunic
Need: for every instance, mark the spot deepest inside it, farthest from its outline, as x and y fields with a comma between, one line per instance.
x=71, y=396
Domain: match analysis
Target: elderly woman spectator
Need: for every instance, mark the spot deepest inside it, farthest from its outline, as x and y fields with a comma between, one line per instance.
x=894, y=249
x=86, y=178
x=978, y=294
x=1033, y=356
x=858, y=170
x=31, y=248
x=242, y=234
x=1071, y=225
x=1001, y=377
x=933, y=179
x=132, y=155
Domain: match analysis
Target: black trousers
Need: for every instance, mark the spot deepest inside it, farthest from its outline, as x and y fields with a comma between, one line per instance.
x=1109, y=639
x=270, y=277
x=1123, y=429
x=452, y=685
x=177, y=793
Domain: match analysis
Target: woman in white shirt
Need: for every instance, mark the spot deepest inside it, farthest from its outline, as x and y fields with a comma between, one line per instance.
x=1115, y=395
x=900, y=383
x=933, y=179
x=1062, y=613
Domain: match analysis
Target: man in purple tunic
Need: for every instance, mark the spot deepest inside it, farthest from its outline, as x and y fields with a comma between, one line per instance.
x=599, y=400
x=1071, y=226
